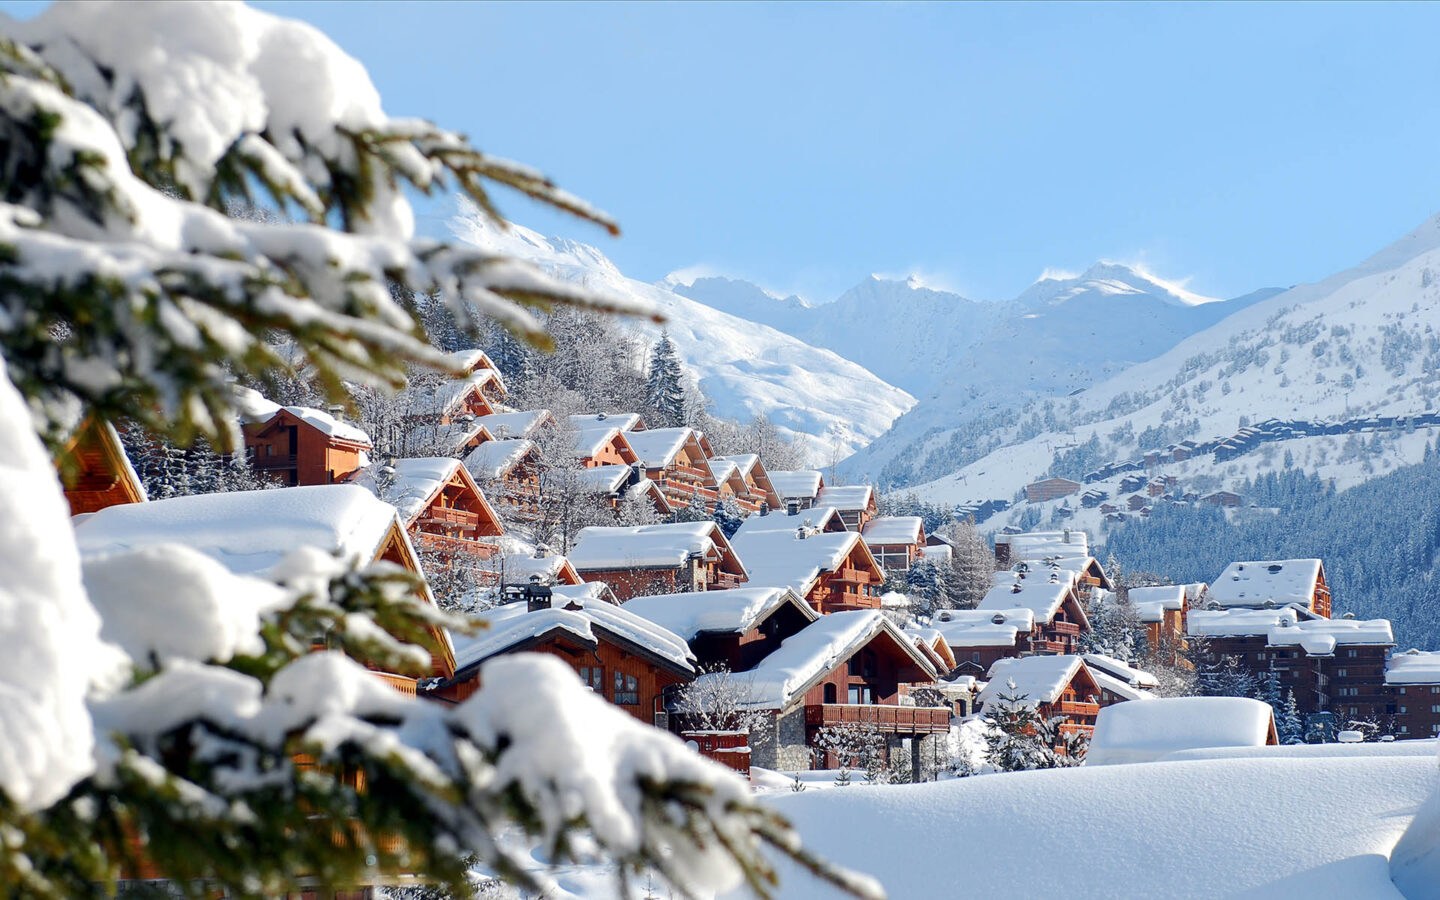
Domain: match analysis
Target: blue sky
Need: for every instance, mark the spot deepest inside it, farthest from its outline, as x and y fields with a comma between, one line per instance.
x=805, y=146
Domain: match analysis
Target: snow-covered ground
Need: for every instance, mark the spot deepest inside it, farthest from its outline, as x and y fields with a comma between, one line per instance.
x=744, y=368
x=1273, y=825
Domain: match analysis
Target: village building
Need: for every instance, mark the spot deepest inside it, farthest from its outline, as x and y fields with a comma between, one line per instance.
x=442, y=509
x=453, y=439
x=832, y=571
x=1051, y=489
x=252, y=533
x=479, y=391
x=1412, y=681
x=630, y=661
x=618, y=482
x=847, y=668
x=513, y=567
x=602, y=445
x=626, y=422
x=94, y=470
x=816, y=518
x=1055, y=686
x=1119, y=681
x=517, y=425
x=754, y=491
x=298, y=445
x=1166, y=726
x=733, y=629
x=649, y=559
x=1059, y=615
x=1222, y=498
x=855, y=503
x=896, y=541
x=932, y=643
x=509, y=472
x=977, y=638
x=675, y=459
x=1272, y=583
x=798, y=489
x=1162, y=610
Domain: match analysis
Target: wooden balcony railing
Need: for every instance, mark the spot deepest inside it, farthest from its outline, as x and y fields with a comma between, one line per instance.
x=1069, y=628
x=444, y=543
x=273, y=462
x=401, y=683
x=455, y=518
x=886, y=717
x=1073, y=708
x=725, y=581
x=1041, y=645
x=851, y=576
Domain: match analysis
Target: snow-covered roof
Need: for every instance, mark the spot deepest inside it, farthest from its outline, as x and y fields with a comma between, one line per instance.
x=724, y=469
x=1238, y=622
x=846, y=497
x=804, y=658
x=890, y=530
x=513, y=626
x=1098, y=662
x=446, y=438
x=514, y=424
x=938, y=553
x=324, y=422
x=492, y=459
x=252, y=406
x=1117, y=686
x=1278, y=581
x=1144, y=732
x=1413, y=667
x=1036, y=545
x=780, y=559
x=656, y=447
x=798, y=483
x=818, y=518
x=979, y=628
x=518, y=568
x=622, y=420
x=249, y=532
x=664, y=546
x=448, y=394
x=1151, y=603
x=1039, y=679
x=590, y=441
x=409, y=484
x=1043, y=596
x=744, y=463
x=735, y=611
x=470, y=360
x=1319, y=637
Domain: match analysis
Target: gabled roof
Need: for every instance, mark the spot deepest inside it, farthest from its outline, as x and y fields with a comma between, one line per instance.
x=1240, y=622
x=505, y=426
x=249, y=532
x=885, y=531
x=657, y=447
x=980, y=628
x=411, y=485
x=735, y=611
x=624, y=421
x=1151, y=603
x=319, y=420
x=847, y=497
x=803, y=659
x=447, y=395
x=1278, y=581
x=781, y=559
x=753, y=471
x=1118, y=686
x=471, y=361
x=817, y=518
x=664, y=546
x=517, y=568
x=95, y=469
x=615, y=479
x=1138, y=678
x=1041, y=679
x=803, y=484
x=1042, y=596
x=494, y=459
x=1037, y=545
x=449, y=439
x=513, y=627
x=589, y=442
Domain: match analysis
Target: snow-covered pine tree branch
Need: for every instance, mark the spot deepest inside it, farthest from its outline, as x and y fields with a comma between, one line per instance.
x=128, y=290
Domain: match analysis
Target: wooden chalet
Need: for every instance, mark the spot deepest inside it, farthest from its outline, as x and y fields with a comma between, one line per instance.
x=855, y=503
x=897, y=542
x=1222, y=498
x=1118, y=681
x=798, y=489
x=603, y=445
x=1054, y=602
x=649, y=559
x=735, y=628
x=252, y=532
x=748, y=483
x=95, y=471
x=1273, y=583
x=479, y=391
x=509, y=570
x=298, y=445
x=628, y=660
x=849, y=667
x=616, y=483
x=1162, y=610
x=833, y=571
x=508, y=471
x=515, y=425
x=1056, y=686
x=1330, y=665
x=443, y=510
x=977, y=638
x=675, y=459
x=626, y=422
x=1051, y=489
x=1412, y=687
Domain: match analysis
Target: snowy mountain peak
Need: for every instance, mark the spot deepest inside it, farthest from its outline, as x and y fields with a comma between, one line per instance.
x=1107, y=278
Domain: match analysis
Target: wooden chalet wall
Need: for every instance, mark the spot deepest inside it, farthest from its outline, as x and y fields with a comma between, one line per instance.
x=614, y=452
x=739, y=652
x=1350, y=684
x=1078, y=704
x=294, y=452
x=854, y=585
x=95, y=472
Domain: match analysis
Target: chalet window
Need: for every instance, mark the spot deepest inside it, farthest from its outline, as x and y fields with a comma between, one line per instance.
x=1435, y=709
x=594, y=678
x=1341, y=673
x=1435, y=689
x=830, y=693
x=627, y=689
x=860, y=693
x=1401, y=710
x=1354, y=710
x=1352, y=653
x=975, y=657
x=1404, y=729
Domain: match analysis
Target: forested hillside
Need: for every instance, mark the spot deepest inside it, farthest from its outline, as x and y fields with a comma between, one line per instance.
x=1380, y=541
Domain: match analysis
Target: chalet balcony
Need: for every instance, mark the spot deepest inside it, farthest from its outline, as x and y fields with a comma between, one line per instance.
x=1072, y=708
x=1068, y=729
x=851, y=576
x=886, y=717
x=400, y=683
x=451, y=518
x=274, y=462
x=444, y=543
x=688, y=473
x=725, y=581
x=1069, y=628
x=849, y=602
x=1047, y=646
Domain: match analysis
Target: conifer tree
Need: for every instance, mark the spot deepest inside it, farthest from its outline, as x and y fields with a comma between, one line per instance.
x=665, y=384
x=1289, y=723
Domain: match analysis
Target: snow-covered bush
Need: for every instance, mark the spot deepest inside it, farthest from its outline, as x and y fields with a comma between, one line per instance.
x=156, y=709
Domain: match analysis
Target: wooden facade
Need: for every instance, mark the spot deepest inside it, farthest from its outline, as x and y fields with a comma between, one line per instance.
x=854, y=584
x=1051, y=489
x=295, y=452
x=94, y=470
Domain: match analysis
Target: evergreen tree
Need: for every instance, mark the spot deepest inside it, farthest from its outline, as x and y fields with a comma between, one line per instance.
x=1289, y=723
x=665, y=385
